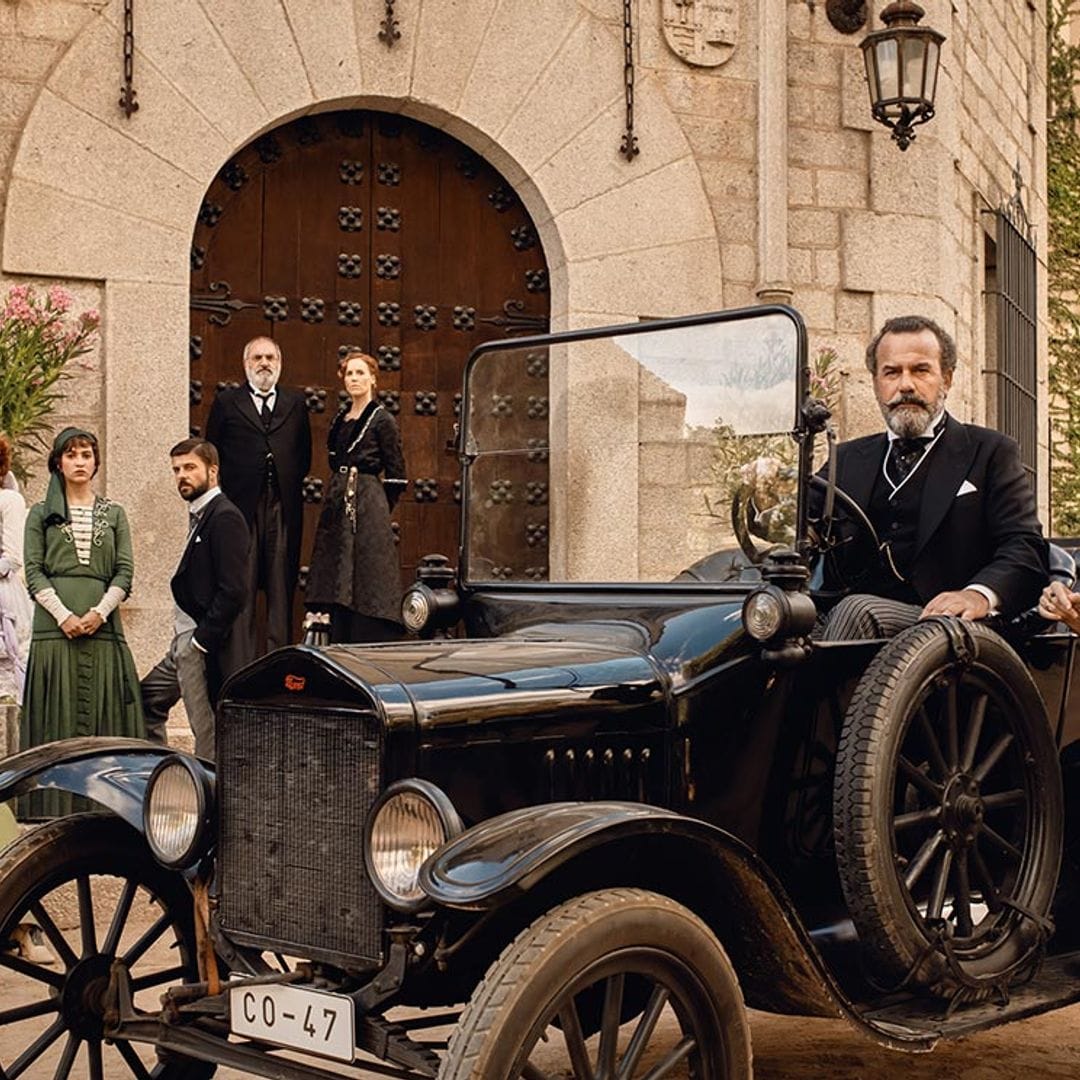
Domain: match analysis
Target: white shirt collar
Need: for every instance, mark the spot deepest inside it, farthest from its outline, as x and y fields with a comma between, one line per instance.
x=204, y=500
x=254, y=391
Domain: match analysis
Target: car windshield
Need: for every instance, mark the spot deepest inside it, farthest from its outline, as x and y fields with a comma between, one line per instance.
x=633, y=456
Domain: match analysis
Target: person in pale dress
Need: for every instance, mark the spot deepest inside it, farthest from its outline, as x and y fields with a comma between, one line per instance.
x=16, y=608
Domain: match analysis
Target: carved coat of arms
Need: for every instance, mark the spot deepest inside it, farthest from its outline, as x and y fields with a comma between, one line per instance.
x=701, y=32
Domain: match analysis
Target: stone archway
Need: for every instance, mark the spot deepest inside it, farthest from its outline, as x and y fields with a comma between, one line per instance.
x=94, y=196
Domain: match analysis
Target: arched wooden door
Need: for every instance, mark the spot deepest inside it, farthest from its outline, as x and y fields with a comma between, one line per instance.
x=370, y=229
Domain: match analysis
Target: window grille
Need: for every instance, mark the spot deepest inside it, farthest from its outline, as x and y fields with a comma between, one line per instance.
x=1012, y=339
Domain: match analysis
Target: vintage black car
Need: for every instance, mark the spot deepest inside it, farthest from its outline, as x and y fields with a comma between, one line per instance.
x=612, y=790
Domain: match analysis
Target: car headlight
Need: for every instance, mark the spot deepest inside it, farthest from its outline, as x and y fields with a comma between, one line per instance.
x=409, y=822
x=176, y=812
x=763, y=613
x=771, y=611
x=416, y=608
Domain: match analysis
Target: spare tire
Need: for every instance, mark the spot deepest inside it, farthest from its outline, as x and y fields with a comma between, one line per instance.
x=948, y=810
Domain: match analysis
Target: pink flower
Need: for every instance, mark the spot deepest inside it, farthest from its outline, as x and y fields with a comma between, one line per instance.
x=91, y=317
x=59, y=299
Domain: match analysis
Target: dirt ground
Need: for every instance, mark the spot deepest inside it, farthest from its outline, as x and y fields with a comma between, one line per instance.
x=785, y=1048
x=1044, y=1048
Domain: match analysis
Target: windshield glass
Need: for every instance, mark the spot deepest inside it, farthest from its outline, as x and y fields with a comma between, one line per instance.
x=633, y=457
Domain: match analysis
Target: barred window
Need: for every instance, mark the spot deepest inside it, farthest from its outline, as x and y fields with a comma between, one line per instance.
x=1011, y=332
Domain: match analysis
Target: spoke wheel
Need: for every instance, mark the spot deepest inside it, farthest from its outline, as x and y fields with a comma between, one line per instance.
x=76, y=894
x=615, y=984
x=948, y=808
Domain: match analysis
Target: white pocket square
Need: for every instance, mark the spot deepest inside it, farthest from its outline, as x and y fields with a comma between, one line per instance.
x=198, y=539
x=966, y=488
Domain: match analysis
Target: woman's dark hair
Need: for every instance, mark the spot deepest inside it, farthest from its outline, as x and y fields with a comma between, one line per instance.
x=82, y=439
x=5, y=456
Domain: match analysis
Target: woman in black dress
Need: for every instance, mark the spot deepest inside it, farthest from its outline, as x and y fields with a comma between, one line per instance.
x=354, y=571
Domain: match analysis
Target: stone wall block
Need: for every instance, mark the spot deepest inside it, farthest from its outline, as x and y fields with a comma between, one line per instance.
x=27, y=59
x=513, y=59
x=181, y=42
x=63, y=236
x=701, y=92
x=854, y=93
x=59, y=20
x=841, y=188
x=813, y=65
x=720, y=137
x=854, y=311
x=137, y=453
x=739, y=261
x=890, y=253
x=660, y=208
x=170, y=126
x=811, y=228
x=826, y=149
x=589, y=163
x=676, y=279
x=260, y=39
x=327, y=46
x=387, y=71
x=102, y=165
x=581, y=82
x=729, y=181
x=907, y=183
x=817, y=307
x=16, y=99
x=450, y=36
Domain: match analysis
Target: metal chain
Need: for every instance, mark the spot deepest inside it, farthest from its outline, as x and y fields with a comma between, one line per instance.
x=629, y=145
x=127, y=92
x=389, y=31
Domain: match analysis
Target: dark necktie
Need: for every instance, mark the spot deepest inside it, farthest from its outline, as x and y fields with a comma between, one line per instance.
x=265, y=410
x=904, y=455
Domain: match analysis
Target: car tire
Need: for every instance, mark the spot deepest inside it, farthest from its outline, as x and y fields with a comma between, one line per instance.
x=58, y=873
x=948, y=811
x=565, y=970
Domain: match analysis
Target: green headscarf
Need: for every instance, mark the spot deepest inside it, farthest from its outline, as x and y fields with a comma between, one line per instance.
x=56, y=507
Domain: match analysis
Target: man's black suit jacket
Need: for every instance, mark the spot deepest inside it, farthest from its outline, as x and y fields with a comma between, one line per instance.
x=210, y=582
x=978, y=522
x=236, y=428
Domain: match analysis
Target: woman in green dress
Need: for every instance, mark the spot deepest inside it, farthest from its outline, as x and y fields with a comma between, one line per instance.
x=80, y=677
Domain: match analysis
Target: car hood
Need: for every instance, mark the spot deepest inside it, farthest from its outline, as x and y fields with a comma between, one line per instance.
x=433, y=683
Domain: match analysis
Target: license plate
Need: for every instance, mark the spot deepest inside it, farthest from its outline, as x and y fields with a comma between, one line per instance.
x=290, y=1016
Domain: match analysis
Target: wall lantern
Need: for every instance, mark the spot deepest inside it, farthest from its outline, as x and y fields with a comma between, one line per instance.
x=902, y=70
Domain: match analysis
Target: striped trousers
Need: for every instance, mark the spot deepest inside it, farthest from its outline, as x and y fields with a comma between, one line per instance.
x=861, y=616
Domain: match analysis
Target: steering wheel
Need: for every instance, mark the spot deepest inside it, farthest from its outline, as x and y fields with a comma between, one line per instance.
x=845, y=550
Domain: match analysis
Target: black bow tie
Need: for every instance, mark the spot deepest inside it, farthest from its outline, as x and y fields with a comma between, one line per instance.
x=904, y=455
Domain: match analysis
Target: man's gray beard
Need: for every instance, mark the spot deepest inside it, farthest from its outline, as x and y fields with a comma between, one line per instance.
x=262, y=380
x=912, y=421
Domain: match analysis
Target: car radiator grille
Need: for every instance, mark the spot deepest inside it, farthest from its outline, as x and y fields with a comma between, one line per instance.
x=294, y=791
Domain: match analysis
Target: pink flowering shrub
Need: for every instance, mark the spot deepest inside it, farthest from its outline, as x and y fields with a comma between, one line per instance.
x=39, y=336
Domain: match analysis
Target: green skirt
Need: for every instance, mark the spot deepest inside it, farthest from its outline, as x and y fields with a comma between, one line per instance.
x=76, y=687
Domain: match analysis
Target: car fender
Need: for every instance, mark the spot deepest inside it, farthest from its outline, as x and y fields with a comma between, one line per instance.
x=110, y=772
x=501, y=859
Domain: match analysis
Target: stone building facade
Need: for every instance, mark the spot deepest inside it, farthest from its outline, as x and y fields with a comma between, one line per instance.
x=761, y=175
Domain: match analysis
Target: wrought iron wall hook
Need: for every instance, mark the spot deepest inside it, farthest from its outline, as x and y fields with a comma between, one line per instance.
x=127, y=91
x=388, y=27
x=629, y=146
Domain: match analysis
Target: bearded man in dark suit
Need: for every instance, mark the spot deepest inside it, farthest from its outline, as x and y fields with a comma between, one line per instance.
x=263, y=435
x=951, y=504
x=208, y=594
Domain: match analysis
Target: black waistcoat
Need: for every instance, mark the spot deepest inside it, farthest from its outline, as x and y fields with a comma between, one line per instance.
x=896, y=519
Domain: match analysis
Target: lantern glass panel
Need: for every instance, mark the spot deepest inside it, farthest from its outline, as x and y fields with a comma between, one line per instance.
x=933, y=50
x=913, y=67
x=888, y=73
